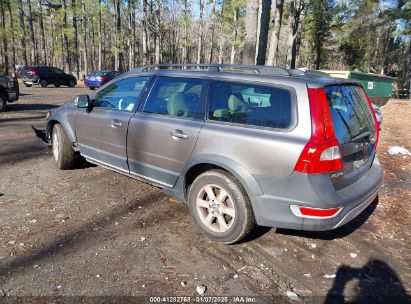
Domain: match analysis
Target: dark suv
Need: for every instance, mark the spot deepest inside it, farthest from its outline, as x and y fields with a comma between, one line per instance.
x=45, y=76
x=9, y=91
x=244, y=145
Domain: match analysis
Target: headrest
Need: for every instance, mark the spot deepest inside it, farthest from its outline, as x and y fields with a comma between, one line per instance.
x=176, y=105
x=236, y=104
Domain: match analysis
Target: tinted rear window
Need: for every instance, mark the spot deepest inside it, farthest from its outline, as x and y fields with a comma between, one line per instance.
x=350, y=112
x=250, y=104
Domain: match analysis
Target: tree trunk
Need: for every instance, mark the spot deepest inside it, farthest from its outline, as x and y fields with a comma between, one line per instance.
x=33, y=40
x=145, y=32
x=100, y=36
x=275, y=34
x=157, y=34
x=233, y=44
x=263, y=32
x=200, y=32
x=23, y=32
x=296, y=8
x=76, y=52
x=4, y=39
x=67, y=60
x=43, y=39
x=13, y=46
x=85, y=44
x=251, y=23
x=210, y=58
x=185, y=39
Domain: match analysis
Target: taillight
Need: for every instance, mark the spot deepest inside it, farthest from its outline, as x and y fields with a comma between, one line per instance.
x=32, y=72
x=376, y=124
x=322, y=153
x=102, y=78
x=309, y=212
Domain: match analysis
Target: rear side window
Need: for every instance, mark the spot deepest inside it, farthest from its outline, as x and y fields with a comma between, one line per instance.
x=250, y=104
x=178, y=97
x=351, y=114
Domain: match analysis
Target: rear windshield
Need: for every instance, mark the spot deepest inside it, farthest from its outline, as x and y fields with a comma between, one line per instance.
x=350, y=112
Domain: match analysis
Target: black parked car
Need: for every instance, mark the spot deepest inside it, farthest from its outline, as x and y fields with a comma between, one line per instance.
x=9, y=91
x=45, y=76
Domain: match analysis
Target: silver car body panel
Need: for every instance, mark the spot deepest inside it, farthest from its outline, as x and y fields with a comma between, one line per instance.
x=261, y=159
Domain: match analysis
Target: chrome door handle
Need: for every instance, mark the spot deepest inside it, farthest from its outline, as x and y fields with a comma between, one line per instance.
x=178, y=134
x=116, y=124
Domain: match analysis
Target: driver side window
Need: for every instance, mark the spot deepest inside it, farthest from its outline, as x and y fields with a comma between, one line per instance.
x=121, y=95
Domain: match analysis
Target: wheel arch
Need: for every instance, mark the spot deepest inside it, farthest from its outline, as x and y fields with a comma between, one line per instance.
x=199, y=165
x=66, y=126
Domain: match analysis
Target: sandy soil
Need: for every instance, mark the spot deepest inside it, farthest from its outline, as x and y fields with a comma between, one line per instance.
x=93, y=232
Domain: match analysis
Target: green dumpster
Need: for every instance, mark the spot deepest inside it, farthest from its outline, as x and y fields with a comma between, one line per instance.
x=378, y=87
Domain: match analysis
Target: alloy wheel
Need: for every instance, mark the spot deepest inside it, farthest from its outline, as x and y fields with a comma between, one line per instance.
x=215, y=208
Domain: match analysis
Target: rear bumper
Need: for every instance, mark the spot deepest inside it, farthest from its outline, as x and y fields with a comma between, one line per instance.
x=31, y=80
x=93, y=84
x=273, y=208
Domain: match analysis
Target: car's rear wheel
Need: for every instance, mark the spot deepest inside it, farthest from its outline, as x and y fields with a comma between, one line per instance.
x=43, y=83
x=3, y=102
x=71, y=84
x=220, y=207
x=28, y=85
x=63, y=152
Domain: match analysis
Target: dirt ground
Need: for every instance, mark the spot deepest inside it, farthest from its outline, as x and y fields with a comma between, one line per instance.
x=93, y=232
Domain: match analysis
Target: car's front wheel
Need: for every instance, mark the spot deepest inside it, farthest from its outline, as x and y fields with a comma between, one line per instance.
x=220, y=207
x=63, y=152
x=28, y=85
x=71, y=84
x=3, y=103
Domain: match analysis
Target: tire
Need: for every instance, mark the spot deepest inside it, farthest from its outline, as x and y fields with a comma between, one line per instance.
x=92, y=88
x=71, y=84
x=28, y=85
x=57, y=85
x=43, y=83
x=63, y=152
x=3, y=102
x=227, y=219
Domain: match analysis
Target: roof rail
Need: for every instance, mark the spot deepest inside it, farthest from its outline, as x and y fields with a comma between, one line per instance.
x=257, y=69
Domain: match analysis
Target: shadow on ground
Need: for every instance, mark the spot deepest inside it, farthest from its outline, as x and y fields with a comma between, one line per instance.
x=376, y=282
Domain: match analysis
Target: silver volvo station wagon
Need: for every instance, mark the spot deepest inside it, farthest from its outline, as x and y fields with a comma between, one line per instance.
x=244, y=145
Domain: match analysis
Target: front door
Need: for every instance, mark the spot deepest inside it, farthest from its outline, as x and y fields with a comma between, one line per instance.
x=102, y=133
x=162, y=136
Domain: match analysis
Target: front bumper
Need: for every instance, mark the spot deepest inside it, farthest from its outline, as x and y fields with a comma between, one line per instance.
x=273, y=208
x=13, y=95
x=42, y=135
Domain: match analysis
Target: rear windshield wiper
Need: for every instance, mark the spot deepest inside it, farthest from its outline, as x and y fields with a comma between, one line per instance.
x=361, y=136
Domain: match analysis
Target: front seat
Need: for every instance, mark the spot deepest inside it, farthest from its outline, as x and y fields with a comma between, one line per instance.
x=177, y=106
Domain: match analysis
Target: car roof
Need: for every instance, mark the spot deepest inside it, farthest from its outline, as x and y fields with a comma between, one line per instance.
x=243, y=73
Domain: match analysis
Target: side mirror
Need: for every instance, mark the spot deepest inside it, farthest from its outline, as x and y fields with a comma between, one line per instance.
x=82, y=101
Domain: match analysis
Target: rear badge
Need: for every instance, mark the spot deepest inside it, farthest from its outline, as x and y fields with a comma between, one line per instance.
x=337, y=175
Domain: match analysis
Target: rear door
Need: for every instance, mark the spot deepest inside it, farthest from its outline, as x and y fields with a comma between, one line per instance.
x=162, y=136
x=102, y=133
x=355, y=130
